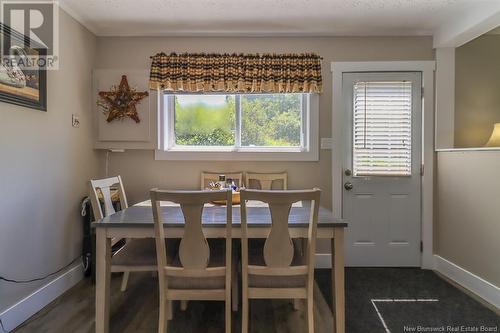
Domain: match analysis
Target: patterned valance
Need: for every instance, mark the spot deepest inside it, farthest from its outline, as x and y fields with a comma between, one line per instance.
x=236, y=73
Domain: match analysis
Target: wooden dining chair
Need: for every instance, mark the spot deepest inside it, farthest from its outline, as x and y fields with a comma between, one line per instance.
x=279, y=270
x=207, y=177
x=199, y=271
x=266, y=181
x=137, y=255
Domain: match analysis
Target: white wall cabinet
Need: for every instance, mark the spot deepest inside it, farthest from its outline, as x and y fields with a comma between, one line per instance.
x=125, y=133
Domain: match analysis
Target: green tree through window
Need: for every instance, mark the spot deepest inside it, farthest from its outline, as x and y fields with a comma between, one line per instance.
x=271, y=120
x=267, y=120
x=205, y=120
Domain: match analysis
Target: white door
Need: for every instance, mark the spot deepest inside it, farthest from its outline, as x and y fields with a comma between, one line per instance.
x=382, y=170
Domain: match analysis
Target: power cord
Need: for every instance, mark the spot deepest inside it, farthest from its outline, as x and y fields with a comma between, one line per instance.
x=3, y=328
x=40, y=278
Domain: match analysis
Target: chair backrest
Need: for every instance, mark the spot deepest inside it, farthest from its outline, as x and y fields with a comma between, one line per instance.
x=278, y=248
x=267, y=181
x=194, y=251
x=103, y=186
x=207, y=177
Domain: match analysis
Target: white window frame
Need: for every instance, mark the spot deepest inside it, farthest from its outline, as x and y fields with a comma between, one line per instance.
x=309, y=151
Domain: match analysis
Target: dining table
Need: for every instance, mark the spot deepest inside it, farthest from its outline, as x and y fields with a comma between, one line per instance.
x=137, y=222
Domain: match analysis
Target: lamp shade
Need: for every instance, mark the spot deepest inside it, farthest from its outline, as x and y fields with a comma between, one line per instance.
x=494, y=140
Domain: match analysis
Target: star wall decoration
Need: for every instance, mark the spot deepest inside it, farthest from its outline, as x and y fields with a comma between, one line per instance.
x=120, y=102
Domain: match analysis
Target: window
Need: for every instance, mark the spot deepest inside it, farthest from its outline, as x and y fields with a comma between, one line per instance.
x=238, y=126
x=204, y=120
x=272, y=120
x=382, y=128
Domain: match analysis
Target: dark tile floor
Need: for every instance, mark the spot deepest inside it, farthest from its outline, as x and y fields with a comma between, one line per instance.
x=393, y=291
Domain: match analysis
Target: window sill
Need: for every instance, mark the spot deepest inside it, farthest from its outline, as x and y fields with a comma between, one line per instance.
x=241, y=155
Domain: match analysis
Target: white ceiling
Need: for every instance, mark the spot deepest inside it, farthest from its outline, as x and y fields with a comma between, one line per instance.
x=269, y=17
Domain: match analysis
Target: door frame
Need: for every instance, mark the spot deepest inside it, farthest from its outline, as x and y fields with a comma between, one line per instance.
x=427, y=68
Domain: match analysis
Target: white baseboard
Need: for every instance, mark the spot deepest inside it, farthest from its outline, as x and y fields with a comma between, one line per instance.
x=482, y=288
x=28, y=306
x=323, y=260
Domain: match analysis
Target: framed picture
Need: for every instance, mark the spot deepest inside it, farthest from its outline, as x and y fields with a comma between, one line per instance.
x=21, y=81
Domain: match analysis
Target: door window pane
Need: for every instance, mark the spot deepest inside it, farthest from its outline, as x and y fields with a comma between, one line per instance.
x=382, y=128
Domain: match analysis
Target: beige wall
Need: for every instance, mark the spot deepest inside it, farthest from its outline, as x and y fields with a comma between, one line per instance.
x=44, y=169
x=141, y=172
x=468, y=195
x=467, y=186
x=477, y=90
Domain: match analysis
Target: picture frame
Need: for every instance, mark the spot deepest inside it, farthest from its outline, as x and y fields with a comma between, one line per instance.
x=21, y=86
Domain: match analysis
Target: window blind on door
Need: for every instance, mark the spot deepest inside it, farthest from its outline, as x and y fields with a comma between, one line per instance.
x=382, y=128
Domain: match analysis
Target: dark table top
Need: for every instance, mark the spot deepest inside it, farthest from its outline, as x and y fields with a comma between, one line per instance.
x=258, y=215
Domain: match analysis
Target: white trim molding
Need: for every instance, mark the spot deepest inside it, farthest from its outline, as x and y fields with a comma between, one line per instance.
x=482, y=288
x=37, y=300
x=451, y=150
x=427, y=68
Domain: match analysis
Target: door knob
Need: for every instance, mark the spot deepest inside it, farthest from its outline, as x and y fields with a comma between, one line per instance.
x=347, y=172
x=348, y=186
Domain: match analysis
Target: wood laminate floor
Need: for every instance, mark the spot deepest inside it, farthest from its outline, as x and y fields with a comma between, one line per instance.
x=136, y=311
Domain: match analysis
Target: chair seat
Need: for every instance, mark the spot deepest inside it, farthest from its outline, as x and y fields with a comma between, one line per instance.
x=256, y=258
x=267, y=281
x=217, y=259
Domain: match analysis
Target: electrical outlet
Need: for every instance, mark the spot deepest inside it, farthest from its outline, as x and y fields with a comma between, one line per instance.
x=326, y=143
x=75, y=120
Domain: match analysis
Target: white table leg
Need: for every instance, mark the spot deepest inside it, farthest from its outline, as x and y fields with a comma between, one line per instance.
x=338, y=285
x=103, y=280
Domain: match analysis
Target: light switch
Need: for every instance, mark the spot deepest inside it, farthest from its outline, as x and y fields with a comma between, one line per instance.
x=75, y=120
x=326, y=143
